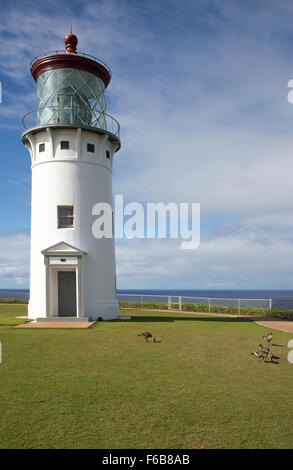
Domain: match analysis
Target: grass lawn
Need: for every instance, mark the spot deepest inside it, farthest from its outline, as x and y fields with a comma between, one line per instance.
x=199, y=387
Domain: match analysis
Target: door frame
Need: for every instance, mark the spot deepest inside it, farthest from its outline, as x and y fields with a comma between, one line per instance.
x=62, y=256
x=52, y=303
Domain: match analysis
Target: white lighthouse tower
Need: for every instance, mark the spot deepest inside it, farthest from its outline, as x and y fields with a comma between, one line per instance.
x=72, y=142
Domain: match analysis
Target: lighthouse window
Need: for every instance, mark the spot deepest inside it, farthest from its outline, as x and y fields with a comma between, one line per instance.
x=108, y=154
x=91, y=148
x=65, y=216
x=64, y=145
x=41, y=147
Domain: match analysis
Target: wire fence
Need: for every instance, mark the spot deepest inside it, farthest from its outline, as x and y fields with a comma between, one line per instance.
x=280, y=308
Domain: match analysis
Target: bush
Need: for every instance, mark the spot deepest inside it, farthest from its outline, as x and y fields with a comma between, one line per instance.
x=13, y=301
x=226, y=309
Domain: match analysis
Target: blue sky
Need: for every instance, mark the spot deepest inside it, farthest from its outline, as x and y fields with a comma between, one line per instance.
x=200, y=90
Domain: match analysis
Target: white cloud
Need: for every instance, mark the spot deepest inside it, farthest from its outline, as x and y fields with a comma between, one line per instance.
x=232, y=261
x=14, y=260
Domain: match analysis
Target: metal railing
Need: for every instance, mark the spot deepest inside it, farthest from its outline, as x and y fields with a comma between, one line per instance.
x=281, y=308
x=67, y=115
x=87, y=56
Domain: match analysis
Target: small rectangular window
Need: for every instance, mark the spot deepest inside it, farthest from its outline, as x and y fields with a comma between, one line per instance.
x=64, y=145
x=108, y=154
x=41, y=147
x=65, y=216
x=91, y=148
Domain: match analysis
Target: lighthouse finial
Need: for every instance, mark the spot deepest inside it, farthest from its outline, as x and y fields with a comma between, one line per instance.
x=70, y=41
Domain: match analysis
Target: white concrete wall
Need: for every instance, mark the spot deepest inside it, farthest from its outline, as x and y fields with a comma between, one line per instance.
x=79, y=178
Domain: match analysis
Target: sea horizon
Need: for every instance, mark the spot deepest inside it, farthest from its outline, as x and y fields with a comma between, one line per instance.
x=23, y=294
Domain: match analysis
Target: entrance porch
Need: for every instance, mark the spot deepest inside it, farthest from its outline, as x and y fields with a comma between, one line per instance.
x=64, y=296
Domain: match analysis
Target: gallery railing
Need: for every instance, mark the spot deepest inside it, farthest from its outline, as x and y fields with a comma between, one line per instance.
x=88, y=56
x=68, y=115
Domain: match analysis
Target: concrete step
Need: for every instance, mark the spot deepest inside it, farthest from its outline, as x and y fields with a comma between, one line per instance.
x=63, y=319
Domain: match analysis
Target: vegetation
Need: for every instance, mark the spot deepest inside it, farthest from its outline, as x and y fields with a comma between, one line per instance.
x=226, y=309
x=13, y=301
x=198, y=386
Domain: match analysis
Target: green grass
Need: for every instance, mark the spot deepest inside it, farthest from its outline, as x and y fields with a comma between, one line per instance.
x=199, y=387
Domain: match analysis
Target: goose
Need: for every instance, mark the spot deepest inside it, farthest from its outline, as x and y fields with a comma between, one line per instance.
x=147, y=335
x=262, y=348
x=268, y=338
x=263, y=353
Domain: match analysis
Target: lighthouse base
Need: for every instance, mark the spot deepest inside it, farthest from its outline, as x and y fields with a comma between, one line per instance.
x=63, y=291
x=107, y=310
x=92, y=311
x=63, y=319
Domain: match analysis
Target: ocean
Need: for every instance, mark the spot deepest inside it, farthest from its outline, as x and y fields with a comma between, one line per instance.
x=274, y=294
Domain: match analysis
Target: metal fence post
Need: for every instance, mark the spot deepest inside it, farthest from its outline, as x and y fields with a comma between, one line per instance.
x=209, y=305
x=180, y=303
x=270, y=307
x=169, y=303
x=238, y=306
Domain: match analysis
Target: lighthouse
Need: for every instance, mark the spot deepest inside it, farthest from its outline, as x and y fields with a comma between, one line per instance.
x=72, y=142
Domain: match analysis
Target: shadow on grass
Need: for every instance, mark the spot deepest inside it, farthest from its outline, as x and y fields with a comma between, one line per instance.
x=274, y=361
x=143, y=319
x=271, y=362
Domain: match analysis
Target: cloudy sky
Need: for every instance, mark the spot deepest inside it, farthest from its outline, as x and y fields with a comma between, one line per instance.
x=200, y=88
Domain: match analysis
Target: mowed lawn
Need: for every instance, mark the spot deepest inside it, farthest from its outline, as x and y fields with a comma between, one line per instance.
x=197, y=387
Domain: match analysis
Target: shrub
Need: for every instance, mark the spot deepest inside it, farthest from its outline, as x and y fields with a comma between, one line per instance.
x=226, y=309
x=13, y=301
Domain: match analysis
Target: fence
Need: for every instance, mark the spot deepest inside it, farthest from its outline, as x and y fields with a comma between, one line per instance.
x=282, y=308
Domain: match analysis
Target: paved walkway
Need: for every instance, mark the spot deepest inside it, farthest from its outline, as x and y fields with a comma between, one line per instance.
x=274, y=323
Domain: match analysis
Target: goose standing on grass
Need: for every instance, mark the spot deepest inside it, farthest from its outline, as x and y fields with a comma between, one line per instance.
x=262, y=353
x=147, y=335
x=268, y=338
x=262, y=348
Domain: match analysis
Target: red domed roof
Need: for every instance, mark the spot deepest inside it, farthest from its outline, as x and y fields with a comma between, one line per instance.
x=70, y=59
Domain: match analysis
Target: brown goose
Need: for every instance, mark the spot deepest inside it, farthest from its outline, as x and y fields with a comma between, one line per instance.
x=268, y=338
x=262, y=353
x=147, y=335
